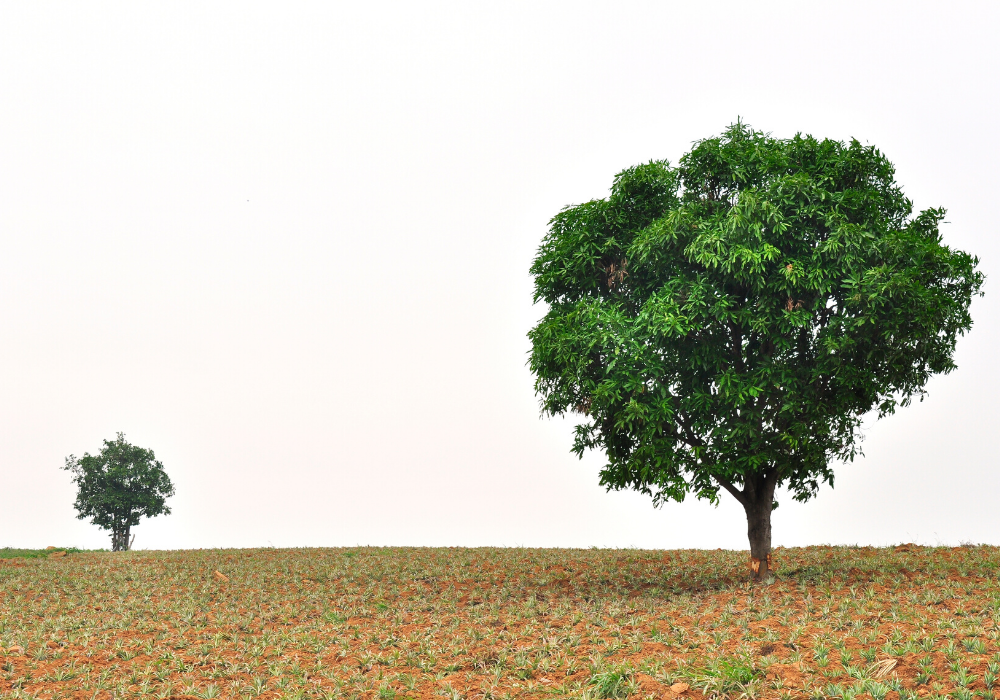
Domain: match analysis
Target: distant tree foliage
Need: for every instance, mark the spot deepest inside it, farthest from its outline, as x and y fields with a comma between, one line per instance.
x=118, y=486
x=727, y=323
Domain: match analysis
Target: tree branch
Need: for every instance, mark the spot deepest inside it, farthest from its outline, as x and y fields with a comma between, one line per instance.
x=737, y=494
x=689, y=437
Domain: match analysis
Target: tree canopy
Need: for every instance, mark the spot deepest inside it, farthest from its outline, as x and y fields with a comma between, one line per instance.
x=119, y=486
x=726, y=323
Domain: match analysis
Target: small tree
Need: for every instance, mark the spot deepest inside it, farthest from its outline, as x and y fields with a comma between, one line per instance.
x=727, y=323
x=118, y=486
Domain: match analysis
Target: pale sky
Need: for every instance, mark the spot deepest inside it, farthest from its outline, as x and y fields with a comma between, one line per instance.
x=286, y=246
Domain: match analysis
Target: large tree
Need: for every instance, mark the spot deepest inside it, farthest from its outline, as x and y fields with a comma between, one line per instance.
x=119, y=486
x=726, y=323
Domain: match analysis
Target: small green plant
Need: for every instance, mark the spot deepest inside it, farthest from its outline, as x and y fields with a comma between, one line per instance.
x=63, y=674
x=832, y=690
x=618, y=683
x=877, y=690
x=974, y=646
x=962, y=677
x=991, y=674
x=257, y=686
x=989, y=680
x=738, y=676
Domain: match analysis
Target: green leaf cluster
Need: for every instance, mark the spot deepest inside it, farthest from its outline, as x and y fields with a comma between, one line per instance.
x=737, y=315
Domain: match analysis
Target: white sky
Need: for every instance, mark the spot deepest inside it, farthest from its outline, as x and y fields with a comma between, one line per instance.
x=286, y=246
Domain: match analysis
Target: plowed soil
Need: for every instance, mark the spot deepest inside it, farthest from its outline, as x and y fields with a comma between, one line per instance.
x=904, y=622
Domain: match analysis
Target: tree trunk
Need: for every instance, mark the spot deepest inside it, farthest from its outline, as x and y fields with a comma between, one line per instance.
x=759, y=532
x=119, y=539
x=757, y=499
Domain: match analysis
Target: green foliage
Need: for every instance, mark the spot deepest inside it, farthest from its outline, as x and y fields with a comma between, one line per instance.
x=727, y=676
x=118, y=486
x=733, y=318
x=618, y=683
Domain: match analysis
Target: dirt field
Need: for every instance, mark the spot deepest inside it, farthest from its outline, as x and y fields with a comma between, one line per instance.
x=904, y=622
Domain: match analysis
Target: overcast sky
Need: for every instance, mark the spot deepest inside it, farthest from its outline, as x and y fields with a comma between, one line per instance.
x=286, y=246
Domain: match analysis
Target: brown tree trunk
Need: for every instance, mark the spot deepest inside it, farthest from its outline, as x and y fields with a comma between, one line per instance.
x=759, y=533
x=757, y=499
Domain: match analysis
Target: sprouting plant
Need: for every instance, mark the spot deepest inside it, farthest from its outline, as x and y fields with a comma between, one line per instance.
x=962, y=677
x=877, y=690
x=257, y=686
x=618, y=683
x=974, y=646
x=208, y=692
x=845, y=657
x=989, y=679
